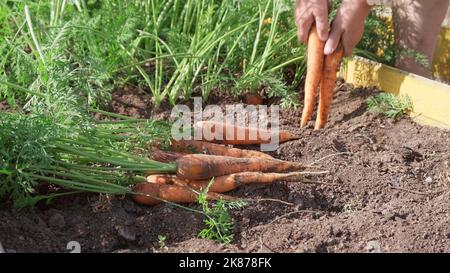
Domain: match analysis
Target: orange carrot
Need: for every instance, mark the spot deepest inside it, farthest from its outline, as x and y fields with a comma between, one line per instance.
x=204, y=147
x=253, y=99
x=331, y=65
x=249, y=135
x=151, y=194
x=203, y=167
x=161, y=179
x=230, y=182
x=168, y=179
x=313, y=73
x=165, y=156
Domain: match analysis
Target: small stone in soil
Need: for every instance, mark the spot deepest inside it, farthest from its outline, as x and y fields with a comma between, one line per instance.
x=388, y=215
x=167, y=210
x=373, y=247
x=429, y=180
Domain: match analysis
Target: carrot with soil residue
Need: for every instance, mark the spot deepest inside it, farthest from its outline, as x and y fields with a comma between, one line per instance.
x=230, y=182
x=240, y=135
x=313, y=73
x=165, y=156
x=203, y=167
x=329, y=76
x=163, y=179
x=253, y=99
x=152, y=194
x=204, y=147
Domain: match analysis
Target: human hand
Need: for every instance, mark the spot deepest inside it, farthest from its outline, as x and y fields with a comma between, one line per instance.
x=308, y=12
x=347, y=26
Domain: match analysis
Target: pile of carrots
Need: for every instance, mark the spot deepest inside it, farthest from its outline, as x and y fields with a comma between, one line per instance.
x=201, y=163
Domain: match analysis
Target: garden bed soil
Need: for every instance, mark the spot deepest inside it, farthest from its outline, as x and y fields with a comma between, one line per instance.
x=388, y=191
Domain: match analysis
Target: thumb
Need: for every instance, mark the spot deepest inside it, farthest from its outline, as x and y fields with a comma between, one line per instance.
x=333, y=40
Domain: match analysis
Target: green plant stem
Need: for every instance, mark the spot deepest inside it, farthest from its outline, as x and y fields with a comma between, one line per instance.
x=150, y=164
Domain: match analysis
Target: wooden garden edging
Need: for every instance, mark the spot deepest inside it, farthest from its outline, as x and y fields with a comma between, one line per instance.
x=431, y=99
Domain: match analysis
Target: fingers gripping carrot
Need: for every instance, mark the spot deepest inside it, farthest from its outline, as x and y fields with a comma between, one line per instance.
x=313, y=73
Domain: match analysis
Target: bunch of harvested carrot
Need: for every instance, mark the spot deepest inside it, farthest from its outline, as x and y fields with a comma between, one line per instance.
x=227, y=168
x=321, y=71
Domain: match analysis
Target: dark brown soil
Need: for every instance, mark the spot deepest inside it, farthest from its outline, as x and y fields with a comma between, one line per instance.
x=4, y=106
x=388, y=190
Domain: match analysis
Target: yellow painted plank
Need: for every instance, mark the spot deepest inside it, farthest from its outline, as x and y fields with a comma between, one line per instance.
x=431, y=99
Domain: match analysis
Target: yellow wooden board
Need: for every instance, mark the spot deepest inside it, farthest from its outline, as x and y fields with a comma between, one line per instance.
x=431, y=99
